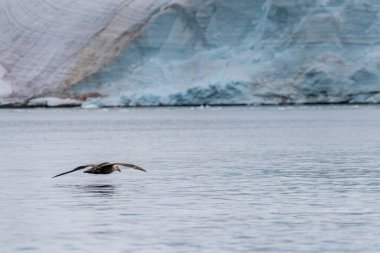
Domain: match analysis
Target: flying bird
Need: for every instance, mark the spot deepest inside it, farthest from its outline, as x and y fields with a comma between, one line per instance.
x=102, y=168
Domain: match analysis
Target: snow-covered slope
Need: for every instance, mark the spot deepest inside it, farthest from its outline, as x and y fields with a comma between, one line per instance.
x=186, y=52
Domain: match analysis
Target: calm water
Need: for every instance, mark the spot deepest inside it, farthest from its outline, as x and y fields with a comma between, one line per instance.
x=220, y=180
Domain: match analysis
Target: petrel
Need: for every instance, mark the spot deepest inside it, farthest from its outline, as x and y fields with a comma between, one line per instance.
x=102, y=168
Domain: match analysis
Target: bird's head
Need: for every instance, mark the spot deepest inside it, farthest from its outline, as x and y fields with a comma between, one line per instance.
x=116, y=168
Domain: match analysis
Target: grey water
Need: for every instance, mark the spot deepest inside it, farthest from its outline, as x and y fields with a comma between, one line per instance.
x=236, y=179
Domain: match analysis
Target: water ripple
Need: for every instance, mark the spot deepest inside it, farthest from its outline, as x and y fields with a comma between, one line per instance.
x=229, y=180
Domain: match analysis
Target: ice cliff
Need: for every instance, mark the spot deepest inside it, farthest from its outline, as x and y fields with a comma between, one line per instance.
x=189, y=52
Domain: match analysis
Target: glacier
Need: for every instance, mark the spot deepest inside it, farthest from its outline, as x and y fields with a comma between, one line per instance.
x=189, y=52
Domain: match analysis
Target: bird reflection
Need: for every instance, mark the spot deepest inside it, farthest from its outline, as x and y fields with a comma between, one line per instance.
x=94, y=190
x=99, y=189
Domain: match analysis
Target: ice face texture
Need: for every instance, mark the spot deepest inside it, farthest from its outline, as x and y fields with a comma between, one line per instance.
x=166, y=52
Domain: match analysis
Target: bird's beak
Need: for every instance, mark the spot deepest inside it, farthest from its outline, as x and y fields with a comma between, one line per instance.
x=118, y=169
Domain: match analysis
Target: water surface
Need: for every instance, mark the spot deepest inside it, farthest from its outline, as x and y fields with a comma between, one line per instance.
x=277, y=179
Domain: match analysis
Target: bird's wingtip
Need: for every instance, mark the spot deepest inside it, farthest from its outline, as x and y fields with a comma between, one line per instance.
x=139, y=168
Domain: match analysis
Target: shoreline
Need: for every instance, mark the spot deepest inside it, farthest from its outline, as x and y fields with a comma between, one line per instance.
x=188, y=106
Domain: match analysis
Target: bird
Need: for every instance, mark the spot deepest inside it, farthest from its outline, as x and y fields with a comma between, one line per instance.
x=102, y=168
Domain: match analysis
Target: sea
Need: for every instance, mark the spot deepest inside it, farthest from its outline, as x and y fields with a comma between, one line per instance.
x=219, y=179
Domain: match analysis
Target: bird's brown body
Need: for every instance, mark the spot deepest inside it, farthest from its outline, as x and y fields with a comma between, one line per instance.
x=102, y=168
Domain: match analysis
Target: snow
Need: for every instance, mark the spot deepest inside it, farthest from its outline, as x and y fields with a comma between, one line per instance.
x=178, y=52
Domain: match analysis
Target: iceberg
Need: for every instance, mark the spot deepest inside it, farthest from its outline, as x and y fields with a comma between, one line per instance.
x=180, y=52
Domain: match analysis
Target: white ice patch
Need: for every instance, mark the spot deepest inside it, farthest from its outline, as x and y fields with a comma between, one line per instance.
x=53, y=102
x=5, y=88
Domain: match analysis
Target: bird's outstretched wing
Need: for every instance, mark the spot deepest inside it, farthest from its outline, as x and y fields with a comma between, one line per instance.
x=130, y=166
x=77, y=168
